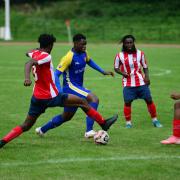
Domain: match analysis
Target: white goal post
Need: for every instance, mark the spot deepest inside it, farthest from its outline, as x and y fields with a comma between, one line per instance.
x=7, y=30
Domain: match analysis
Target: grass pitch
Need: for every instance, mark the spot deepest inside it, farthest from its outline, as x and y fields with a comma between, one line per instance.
x=64, y=153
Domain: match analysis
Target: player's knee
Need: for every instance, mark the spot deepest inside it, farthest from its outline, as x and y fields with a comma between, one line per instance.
x=25, y=127
x=177, y=105
x=66, y=118
x=148, y=101
x=84, y=102
x=96, y=100
x=93, y=98
x=128, y=103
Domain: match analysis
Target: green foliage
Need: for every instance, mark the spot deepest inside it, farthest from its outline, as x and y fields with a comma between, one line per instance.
x=149, y=21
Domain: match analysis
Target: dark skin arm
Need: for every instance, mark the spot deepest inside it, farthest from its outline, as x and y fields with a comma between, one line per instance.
x=27, y=71
x=146, y=78
x=108, y=73
x=124, y=74
x=118, y=70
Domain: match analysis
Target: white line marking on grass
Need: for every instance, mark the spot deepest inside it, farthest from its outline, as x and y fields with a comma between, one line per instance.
x=76, y=160
x=162, y=72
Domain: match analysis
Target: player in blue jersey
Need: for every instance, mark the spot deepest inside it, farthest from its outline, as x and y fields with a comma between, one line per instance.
x=72, y=67
x=46, y=94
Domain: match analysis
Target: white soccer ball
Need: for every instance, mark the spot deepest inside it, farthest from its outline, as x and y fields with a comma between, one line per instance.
x=101, y=137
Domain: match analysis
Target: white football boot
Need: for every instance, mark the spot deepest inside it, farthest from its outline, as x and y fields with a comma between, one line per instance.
x=39, y=132
x=90, y=134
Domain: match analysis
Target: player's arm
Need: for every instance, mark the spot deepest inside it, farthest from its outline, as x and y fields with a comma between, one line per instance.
x=93, y=65
x=175, y=96
x=118, y=67
x=27, y=71
x=119, y=71
x=62, y=66
x=146, y=76
x=145, y=68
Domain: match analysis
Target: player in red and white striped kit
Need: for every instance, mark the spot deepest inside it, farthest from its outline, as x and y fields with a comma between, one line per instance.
x=129, y=63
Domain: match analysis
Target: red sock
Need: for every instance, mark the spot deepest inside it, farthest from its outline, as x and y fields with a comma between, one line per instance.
x=176, y=128
x=127, y=112
x=13, y=134
x=152, y=110
x=92, y=113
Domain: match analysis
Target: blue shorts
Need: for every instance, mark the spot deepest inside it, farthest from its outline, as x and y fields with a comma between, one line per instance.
x=140, y=92
x=38, y=106
x=75, y=90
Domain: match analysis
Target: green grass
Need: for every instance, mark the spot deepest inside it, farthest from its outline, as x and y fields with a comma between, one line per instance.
x=64, y=153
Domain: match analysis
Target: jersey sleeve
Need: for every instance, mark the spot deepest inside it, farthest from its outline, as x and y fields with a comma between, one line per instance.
x=87, y=57
x=39, y=56
x=65, y=62
x=143, y=60
x=117, y=61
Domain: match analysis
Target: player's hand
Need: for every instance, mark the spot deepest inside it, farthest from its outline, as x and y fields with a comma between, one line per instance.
x=27, y=82
x=147, y=81
x=125, y=74
x=109, y=73
x=175, y=96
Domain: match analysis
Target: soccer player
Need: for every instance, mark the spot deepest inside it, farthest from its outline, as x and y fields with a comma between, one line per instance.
x=72, y=67
x=175, y=138
x=45, y=92
x=128, y=63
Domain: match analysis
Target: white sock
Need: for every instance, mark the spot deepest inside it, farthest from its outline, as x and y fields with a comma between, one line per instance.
x=154, y=119
x=128, y=122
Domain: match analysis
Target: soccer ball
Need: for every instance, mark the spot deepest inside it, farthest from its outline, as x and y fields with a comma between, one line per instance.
x=101, y=137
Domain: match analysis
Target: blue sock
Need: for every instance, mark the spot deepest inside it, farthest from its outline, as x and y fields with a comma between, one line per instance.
x=89, y=121
x=53, y=123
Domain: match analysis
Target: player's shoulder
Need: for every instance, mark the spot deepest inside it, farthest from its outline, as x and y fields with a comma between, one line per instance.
x=37, y=54
x=69, y=54
x=87, y=53
x=140, y=51
x=119, y=54
x=67, y=57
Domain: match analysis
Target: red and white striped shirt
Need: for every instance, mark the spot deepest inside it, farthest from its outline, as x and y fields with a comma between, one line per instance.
x=44, y=87
x=131, y=64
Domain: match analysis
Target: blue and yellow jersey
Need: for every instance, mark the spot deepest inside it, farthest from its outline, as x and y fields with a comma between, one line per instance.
x=72, y=65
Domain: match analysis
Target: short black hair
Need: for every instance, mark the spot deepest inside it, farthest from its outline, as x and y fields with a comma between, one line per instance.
x=78, y=37
x=46, y=40
x=127, y=36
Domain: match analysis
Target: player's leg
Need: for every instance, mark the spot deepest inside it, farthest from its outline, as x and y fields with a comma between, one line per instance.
x=57, y=120
x=36, y=108
x=127, y=114
x=75, y=101
x=93, y=102
x=175, y=138
x=144, y=93
x=129, y=94
x=18, y=130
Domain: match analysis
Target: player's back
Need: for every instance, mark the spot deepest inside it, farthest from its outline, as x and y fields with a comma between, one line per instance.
x=43, y=73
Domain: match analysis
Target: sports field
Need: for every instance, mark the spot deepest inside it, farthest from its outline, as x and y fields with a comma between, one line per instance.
x=64, y=153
